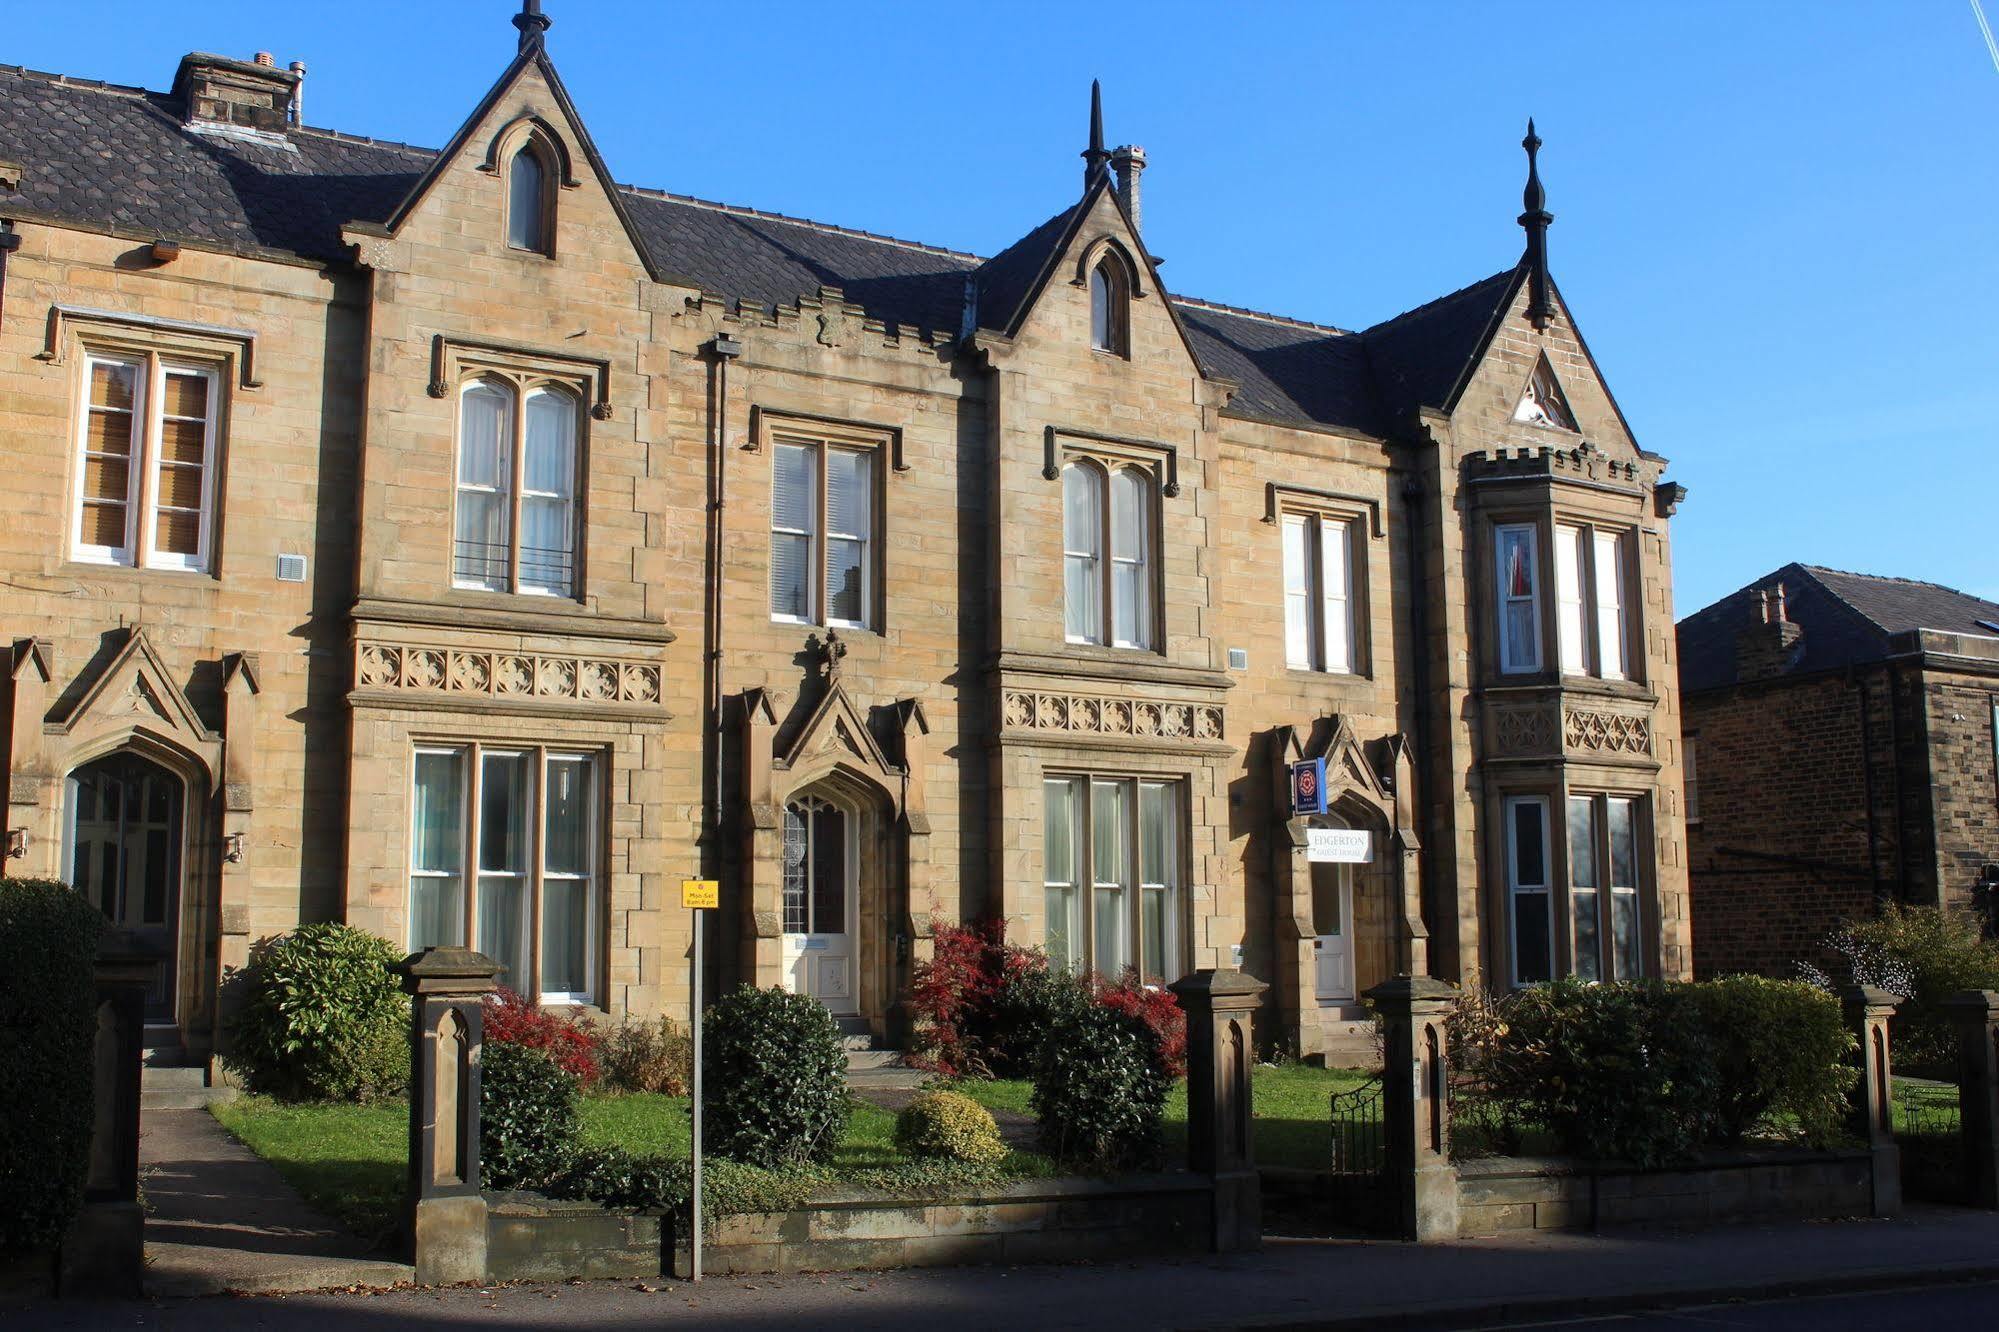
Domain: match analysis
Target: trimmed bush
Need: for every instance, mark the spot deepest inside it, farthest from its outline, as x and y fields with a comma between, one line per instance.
x=48, y=1023
x=655, y=1056
x=1621, y=1072
x=614, y=1177
x=776, y=1078
x=1783, y=1057
x=529, y=1125
x=565, y=1038
x=949, y=1125
x=968, y=1023
x=323, y=1018
x=1100, y=1091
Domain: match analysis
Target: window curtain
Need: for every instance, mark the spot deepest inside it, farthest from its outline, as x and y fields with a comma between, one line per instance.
x=1082, y=547
x=849, y=524
x=794, y=513
x=548, y=465
x=485, y=478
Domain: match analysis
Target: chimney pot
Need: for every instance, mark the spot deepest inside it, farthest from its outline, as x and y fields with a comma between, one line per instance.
x=265, y=59
x=1768, y=646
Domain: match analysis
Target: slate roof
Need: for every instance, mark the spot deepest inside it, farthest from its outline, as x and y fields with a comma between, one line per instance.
x=1848, y=619
x=119, y=159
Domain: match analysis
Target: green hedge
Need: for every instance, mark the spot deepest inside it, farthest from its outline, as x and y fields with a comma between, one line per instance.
x=1100, y=1091
x=48, y=1003
x=1648, y=1072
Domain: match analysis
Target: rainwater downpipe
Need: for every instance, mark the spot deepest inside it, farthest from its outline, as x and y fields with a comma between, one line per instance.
x=1419, y=671
x=722, y=350
x=10, y=241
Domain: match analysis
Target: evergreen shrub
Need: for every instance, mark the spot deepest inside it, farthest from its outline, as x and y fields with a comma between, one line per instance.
x=48, y=1023
x=529, y=1123
x=648, y=1056
x=949, y=1125
x=1100, y=1091
x=776, y=1078
x=323, y=1017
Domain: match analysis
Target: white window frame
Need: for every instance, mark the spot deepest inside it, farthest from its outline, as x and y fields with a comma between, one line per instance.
x=519, y=390
x=1087, y=879
x=1108, y=562
x=1326, y=610
x=146, y=461
x=471, y=756
x=1608, y=892
x=819, y=538
x=1592, y=601
x=1516, y=889
x=1517, y=658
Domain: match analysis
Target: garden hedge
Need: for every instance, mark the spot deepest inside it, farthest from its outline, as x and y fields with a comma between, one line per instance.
x=323, y=1017
x=48, y=1004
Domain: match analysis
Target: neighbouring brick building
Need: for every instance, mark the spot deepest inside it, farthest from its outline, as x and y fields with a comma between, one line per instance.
x=470, y=547
x=1841, y=753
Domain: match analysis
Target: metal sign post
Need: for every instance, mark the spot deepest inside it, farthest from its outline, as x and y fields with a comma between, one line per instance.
x=696, y=895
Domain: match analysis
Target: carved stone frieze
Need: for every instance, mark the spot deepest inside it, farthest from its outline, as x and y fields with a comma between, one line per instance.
x=1523, y=731
x=1082, y=714
x=1606, y=732
x=522, y=676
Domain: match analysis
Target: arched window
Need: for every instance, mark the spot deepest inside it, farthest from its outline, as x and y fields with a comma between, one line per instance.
x=1107, y=555
x=1107, y=309
x=1082, y=552
x=516, y=524
x=527, y=201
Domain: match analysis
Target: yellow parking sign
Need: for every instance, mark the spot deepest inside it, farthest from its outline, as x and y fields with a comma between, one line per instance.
x=700, y=894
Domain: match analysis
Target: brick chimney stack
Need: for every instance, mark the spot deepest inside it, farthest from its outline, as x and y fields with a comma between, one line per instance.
x=216, y=92
x=1128, y=163
x=1769, y=647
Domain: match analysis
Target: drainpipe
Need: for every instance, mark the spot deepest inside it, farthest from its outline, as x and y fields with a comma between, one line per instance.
x=1419, y=636
x=10, y=241
x=722, y=350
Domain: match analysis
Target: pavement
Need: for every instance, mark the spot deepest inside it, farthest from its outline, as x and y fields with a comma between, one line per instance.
x=1300, y=1283
x=220, y=1219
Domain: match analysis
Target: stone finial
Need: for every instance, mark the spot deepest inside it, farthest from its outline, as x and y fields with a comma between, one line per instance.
x=1535, y=220
x=1094, y=156
x=533, y=25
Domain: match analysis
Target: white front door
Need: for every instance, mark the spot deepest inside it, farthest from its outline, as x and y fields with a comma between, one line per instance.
x=821, y=864
x=1332, y=918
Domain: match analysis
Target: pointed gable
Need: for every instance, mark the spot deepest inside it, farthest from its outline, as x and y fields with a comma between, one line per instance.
x=1425, y=356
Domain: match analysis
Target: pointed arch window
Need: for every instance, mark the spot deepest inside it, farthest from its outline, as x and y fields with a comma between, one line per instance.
x=1109, y=309
x=530, y=209
x=1109, y=562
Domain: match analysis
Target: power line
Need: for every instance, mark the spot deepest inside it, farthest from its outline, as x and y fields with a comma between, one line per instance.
x=1991, y=46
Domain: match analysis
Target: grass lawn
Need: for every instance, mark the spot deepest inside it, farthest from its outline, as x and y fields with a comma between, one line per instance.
x=349, y=1160
x=1292, y=1104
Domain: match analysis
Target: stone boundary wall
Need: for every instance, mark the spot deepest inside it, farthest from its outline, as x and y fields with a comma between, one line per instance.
x=1550, y=1193
x=538, y=1238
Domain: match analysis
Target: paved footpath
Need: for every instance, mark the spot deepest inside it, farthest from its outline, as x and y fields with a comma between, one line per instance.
x=1331, y=1284
x=219, y=1218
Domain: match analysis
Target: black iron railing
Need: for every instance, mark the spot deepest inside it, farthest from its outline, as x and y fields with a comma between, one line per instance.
x=1359, y=1143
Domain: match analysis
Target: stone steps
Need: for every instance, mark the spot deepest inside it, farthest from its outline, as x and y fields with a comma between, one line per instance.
x=178, y=1086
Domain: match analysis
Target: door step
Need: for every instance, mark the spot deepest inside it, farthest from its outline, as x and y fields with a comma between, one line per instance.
x=179, y=1086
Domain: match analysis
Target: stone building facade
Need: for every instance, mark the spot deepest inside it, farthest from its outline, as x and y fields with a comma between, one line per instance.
x=1844, y=739
x=466, y=546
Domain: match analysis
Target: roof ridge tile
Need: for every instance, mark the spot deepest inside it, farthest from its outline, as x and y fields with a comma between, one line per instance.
x=830, y=228
x=1288, y=321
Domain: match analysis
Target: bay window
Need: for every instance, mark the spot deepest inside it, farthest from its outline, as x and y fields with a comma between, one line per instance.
x=1516, y=549
x=516, y=511
x=1111, y=855
x=146, y=462
x=822, y=534
x=1603, y=891
x=1530, y=915
x=1590, y=601
x=503, y=858
x=1318, y=592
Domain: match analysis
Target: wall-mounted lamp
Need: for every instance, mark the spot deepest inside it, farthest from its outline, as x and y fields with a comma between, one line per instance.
x=232, y=848
x=17, y=843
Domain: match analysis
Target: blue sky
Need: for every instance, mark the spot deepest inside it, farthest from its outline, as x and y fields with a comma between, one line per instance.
x=1774, y=221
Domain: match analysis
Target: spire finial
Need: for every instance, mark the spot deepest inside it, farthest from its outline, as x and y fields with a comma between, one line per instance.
x=1536, y=220
x=532, y=23
x=1094, y=156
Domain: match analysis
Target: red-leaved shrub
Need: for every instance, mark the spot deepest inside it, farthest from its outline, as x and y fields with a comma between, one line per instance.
x=955, y=997
x=570, y=1041
x=1158, y=1009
